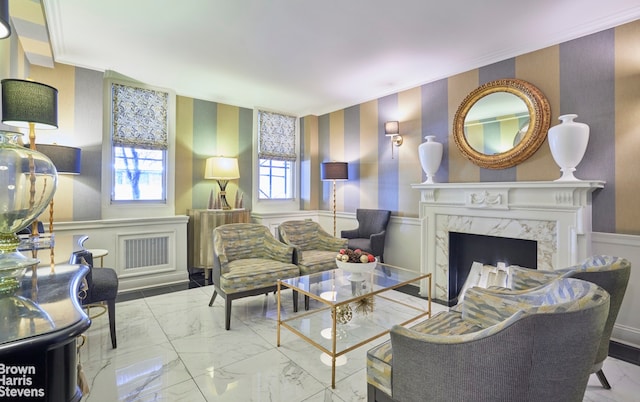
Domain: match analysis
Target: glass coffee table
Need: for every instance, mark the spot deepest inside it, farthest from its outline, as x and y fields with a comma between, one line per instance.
x=354, y=309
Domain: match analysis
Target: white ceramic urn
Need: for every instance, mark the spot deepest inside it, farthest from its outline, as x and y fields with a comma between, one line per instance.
x=430, y=154
x=568, y=142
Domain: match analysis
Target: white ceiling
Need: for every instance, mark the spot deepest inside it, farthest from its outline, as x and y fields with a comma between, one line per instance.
x=311, y=57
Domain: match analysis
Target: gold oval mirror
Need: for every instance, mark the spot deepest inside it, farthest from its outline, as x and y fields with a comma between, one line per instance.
x=501, y=123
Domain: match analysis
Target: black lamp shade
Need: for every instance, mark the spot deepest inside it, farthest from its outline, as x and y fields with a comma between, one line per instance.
x=25, y=102
x=65, y=159
x=334, y=171
x=5, y=27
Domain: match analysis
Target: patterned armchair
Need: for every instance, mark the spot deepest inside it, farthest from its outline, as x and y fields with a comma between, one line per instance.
x=609, y=272
x=316, y=249
x=248, y=261
x=532, y=346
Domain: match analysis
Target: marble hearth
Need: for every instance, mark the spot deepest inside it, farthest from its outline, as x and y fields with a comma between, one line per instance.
x=557, y=215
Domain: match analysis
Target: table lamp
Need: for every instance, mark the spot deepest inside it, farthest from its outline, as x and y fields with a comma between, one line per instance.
x=222, y=170
x=334, y=171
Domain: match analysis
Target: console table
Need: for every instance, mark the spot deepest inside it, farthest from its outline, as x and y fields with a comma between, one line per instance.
x=200, y=234
x=38, y=331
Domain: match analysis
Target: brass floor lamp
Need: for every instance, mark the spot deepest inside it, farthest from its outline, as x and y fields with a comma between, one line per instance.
x=335, y=171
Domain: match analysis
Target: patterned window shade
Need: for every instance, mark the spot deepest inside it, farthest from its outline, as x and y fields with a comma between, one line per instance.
x=276, y=136
x=139, y=117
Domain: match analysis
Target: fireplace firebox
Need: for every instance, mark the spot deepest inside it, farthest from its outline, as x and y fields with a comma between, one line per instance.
x=466, y=248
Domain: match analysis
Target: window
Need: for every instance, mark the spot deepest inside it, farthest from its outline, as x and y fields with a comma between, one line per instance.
x=139, y=144
x=275, y=180
x=276, y=155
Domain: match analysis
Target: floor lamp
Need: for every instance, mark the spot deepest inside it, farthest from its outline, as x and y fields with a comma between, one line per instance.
x=67, y=161
x=334, y=171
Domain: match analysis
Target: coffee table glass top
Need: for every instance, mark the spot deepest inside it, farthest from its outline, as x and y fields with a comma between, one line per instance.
x=357, y=308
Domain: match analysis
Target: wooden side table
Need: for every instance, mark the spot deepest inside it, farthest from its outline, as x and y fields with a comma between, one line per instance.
x=200, y=234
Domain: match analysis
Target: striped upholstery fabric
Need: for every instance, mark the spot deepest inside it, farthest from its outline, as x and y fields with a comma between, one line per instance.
x=316, y=249
x=250, y=257
x=482, y=314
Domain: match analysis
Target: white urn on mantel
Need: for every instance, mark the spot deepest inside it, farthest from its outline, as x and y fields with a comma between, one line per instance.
x=568, y=142
x=430, y=154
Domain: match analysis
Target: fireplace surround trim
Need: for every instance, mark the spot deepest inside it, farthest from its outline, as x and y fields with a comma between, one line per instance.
x=558, y=213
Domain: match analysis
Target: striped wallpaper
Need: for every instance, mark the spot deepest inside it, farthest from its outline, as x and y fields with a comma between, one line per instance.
x=596, y=76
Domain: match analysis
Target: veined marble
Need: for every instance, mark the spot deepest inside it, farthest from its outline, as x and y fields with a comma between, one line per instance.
x=557, y=215
x=173, y=347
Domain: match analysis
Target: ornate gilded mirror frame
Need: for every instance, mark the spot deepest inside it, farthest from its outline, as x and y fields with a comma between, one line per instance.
x=539, y=119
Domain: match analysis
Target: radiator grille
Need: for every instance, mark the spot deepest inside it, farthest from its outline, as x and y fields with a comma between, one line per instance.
x=146, y=252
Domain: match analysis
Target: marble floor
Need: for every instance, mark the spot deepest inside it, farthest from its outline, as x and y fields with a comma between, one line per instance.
x=173, y=347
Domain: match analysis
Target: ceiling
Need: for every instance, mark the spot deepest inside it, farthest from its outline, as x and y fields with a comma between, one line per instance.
x=306, y=57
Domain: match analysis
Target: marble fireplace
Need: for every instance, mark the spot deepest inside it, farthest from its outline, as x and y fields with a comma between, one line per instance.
x=555, y=214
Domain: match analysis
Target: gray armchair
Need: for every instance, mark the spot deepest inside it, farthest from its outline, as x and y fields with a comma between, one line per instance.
x=371, y=232
x=537, y=346
x=609, y=272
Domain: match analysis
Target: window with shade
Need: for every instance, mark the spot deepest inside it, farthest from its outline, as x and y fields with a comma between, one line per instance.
x=276, y=155
x=139, y=143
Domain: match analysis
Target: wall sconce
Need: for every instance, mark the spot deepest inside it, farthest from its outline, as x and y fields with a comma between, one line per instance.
x=222, y=170
x=392, y=130
x=5, y=27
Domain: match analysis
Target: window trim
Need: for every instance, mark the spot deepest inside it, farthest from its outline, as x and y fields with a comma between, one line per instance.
x=136, y=208
x=270, y=205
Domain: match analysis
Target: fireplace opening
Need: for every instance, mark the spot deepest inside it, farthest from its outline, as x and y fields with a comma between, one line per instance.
x=466, y=248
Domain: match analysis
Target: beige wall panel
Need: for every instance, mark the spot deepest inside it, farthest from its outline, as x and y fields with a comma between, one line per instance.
x=542, y=69
x=227, y=140
x=311, y=154
x=627, y=135
x=460, y=168
x=369, y=155
x=63, y=79
x=184, y=154
x=409, y=170
x=336, y=150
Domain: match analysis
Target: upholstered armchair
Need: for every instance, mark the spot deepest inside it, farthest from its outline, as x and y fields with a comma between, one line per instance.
x=316, y=249
x=371, y=232
x=527, y=347
x=609, y=272
x=248, y=261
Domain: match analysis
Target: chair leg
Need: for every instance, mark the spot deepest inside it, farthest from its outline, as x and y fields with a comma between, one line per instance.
x=227, y=314
x=213, y=297
x=603, y=379
x=111, y=305
x=306, y=303
x=295, y=301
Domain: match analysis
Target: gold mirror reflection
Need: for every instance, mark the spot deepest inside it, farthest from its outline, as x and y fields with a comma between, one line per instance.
x=501, y=123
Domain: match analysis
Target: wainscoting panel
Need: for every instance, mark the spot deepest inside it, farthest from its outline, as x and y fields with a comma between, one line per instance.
x=627, y=328
x=145, y=252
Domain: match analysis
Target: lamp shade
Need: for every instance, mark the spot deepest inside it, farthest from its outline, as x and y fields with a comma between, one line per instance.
x=221, y=168
x=65, y=159
x=25, y=102
x=5, y=27
x=391, y=128
x=334, y=171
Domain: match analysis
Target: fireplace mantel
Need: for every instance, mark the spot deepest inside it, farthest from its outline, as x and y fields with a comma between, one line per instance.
x=557, y=214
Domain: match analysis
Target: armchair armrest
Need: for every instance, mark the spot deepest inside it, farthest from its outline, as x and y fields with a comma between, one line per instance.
x=377, y=240
x=330, y=243
x=349, y=234
x=275, y=250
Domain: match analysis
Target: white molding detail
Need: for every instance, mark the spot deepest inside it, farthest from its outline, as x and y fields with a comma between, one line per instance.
x=556, y=214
